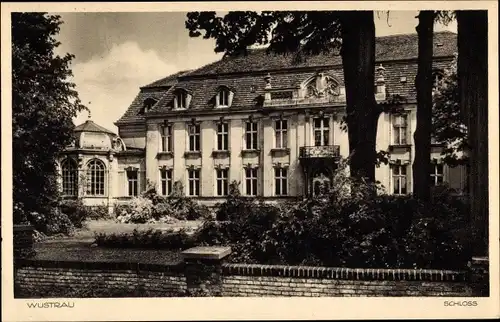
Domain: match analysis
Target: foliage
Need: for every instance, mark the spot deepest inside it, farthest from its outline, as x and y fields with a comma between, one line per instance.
x=59, y=223
x=448, y=127
x=56, y=222
x=302, y=32
x=151, y=207
x=348, y=226
x=138, y=211
x=78, y=213
x=44, y=103
x=176, y=206
x=155, y=239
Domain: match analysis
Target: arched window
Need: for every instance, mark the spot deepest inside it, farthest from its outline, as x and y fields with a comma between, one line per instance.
x=69, y=178
x=96, y=178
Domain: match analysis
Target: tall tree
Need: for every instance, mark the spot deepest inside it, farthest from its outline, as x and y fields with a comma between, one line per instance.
x=473, y=89
x=424, y=83
x=358, y=62
x=310, y=33
x=448, y=127
x=44, y=103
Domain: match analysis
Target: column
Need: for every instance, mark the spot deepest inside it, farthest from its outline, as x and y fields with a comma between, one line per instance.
x=152, y=145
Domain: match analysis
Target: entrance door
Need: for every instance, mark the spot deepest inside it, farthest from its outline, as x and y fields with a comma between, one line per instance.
x=321, y=184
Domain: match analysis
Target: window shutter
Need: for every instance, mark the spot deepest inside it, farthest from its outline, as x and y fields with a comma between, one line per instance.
x=188, y=99
x=230, y=99
x=217, y=99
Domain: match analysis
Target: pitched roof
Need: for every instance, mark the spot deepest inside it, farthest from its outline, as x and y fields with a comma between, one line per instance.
x=168, y=81
x=90, y=126
x=388, y=48
x=244, y=74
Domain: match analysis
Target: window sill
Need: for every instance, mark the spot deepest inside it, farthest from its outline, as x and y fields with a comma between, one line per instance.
x=280, y=150
x=399, y=146
x=125, y=197
x=169, y=154
x=192, y=154
x=250, y=151
x=221, y=153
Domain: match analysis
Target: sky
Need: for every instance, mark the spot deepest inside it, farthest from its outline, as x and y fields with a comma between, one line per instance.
x=116, y=53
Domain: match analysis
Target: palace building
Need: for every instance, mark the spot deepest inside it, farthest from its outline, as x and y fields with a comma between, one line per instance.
x=267, y=121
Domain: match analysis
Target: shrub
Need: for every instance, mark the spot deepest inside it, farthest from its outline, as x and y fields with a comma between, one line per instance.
x=138, y=211
x=98, y=212
x=76, y=211
x=157, y=239
x=59, y=223
x=54, y=223
x=176, y=207
x=352, y=225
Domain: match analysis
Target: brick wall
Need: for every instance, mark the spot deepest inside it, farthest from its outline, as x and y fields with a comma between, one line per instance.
x=267, y=280
x=212, y=277
x=23, y=241
x=92, y=279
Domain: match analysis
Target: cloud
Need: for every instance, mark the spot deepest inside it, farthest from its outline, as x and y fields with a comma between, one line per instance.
x=107, y=84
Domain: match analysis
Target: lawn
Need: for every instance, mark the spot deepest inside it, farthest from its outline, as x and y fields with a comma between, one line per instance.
x=79, y=246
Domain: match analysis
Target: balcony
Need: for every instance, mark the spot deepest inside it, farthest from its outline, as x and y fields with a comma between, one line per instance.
x=326, y=151
x=305, y=101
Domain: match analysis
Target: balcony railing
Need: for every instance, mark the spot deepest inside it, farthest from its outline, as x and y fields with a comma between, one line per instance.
x=325, y=151
x=305, y=101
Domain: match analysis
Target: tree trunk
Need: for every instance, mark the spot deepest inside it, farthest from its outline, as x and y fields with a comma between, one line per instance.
x=473, y=89
x=423, y=83
x=358, y=61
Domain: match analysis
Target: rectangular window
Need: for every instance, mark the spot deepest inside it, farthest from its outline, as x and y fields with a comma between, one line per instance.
x=222, y=182
x=251, y=182
x=399, y=179
x=251, y=136
x=194, y=137
x=321, y=131
x=181, y=99
x=166, y=182
x=194, y=182
x=224, y=98
x=281, y=130
x=133, y=182
x=280, y=181
x=400, y=129
x=222, y=137
x=437, y=174
x=166, y=138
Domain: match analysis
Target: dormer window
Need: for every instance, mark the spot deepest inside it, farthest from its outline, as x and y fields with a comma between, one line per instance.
x=224, y=98
x=181, y=99
x=148, y=104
